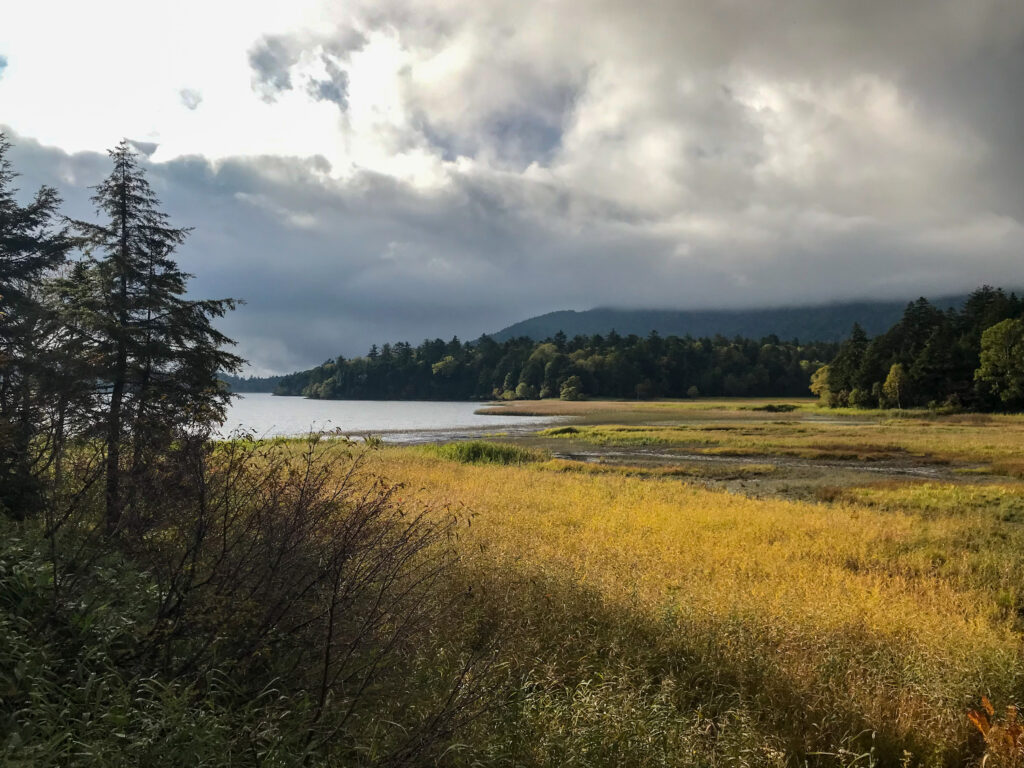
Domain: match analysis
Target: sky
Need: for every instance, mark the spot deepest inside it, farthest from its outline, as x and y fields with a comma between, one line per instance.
x=383, y=170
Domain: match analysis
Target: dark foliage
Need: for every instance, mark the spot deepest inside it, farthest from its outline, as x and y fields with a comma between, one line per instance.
x=250, y=383
x=154, y=353
x=167, y=599
x=595, y=366
x=32, y=245
x=960, y=358
x=272, y=601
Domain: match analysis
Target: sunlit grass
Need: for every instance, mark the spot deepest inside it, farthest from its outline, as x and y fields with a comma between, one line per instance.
x=694, y=470
x=993, y=441
x=880, y=612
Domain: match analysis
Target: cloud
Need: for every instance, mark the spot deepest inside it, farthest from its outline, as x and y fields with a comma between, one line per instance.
x=333, y=86
x=190, y=97
x=3, y=65
x=146, y=148
x=399, y=168
x=271, y=61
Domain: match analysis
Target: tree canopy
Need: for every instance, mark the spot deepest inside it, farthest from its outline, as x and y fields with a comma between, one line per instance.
x=33, y=242
x=105, y=346
x=967, y=358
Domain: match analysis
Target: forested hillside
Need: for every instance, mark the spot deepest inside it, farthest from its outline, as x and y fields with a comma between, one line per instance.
x=827, y=322
x=595, y=366
x=969, y=357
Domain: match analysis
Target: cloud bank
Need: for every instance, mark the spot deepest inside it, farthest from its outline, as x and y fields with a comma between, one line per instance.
x=366, y=172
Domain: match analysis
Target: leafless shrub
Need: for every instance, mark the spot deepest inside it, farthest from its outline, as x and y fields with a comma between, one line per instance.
x=292, y=562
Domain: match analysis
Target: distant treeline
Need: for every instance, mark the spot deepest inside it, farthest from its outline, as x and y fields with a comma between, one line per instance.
x=968, y=358
x=591, y=366
x=250, y=383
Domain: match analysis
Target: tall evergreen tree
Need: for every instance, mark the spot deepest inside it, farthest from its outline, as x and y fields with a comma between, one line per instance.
x=156, y=353
x=32, y=244
x=844, y=370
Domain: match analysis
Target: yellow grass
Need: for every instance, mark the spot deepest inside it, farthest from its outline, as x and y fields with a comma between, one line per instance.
x=995, y=441
x=871, y=614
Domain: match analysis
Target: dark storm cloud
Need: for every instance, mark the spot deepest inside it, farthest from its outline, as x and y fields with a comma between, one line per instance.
x=328, y=268
x=514, y=135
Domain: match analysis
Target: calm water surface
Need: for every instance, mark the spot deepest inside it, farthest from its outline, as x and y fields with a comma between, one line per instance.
x=396, y=421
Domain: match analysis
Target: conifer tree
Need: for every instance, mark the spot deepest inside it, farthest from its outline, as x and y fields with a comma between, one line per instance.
x=155, y=352
x=31, y=246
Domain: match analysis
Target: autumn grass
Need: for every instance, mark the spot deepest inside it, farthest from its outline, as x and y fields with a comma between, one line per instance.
x=664, y=623
x=687, y=470
x=994, y=441
x=652, y=621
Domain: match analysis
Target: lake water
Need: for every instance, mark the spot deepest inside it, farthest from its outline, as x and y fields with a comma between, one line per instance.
x=396, y=421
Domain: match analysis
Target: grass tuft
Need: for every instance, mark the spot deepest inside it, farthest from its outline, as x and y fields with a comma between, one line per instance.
x=483, y=452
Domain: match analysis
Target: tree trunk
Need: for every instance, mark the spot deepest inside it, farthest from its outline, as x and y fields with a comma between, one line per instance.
x=114, y=418
x=113, y=513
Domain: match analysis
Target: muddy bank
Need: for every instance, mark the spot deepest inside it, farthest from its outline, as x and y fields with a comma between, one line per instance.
x=761, y=475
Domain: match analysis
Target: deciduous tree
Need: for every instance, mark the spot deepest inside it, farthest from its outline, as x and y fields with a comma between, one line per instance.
x=1002, y=362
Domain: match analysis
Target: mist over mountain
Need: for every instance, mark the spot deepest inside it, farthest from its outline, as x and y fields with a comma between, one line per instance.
x=827, y=322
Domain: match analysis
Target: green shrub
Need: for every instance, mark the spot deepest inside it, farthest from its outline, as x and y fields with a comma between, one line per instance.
x=279, y=609
x=572, y=389
x=526, y=391
x=559, y=431
x=777, y=408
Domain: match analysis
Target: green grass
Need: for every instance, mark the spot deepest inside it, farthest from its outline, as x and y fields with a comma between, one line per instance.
x=70, y=693
x=483, y=452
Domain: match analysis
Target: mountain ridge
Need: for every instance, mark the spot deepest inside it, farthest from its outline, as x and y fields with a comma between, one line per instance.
x=822, y=322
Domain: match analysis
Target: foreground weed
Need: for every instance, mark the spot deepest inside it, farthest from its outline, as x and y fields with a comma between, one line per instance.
x=1004, y=738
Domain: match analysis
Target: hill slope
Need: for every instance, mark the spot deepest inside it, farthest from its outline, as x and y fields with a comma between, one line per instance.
x=830, y=322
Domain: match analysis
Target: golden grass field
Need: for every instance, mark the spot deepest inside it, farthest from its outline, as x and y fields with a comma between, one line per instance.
x=983, y=442
x=660, y=622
